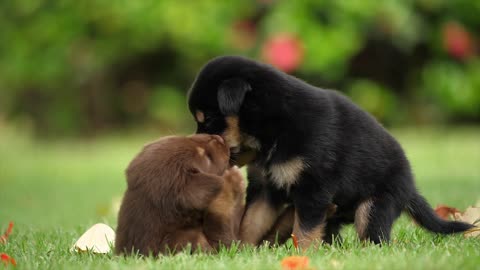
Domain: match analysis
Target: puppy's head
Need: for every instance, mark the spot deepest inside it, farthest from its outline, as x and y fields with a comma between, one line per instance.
x=217, y=98
x=166, y=165
x=211, y=154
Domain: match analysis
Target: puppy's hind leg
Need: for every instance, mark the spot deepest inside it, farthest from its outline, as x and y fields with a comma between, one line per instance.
x=374, y=218
x=282, y=229
x=180, y=240
x=332, y=231
x=264, y=203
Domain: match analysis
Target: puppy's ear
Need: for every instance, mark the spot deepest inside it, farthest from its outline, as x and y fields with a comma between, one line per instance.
x=230, y=95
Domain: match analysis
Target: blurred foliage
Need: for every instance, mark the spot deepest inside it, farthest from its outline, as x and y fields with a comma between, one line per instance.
x=80, y=67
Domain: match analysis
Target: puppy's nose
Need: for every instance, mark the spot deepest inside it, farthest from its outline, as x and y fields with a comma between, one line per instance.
x=218, y=138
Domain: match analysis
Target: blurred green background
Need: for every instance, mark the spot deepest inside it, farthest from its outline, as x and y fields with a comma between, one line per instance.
x=83, y=68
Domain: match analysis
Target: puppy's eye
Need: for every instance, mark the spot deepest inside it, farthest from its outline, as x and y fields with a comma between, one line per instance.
x=208, y=119
x=209, y=155
x=208, y=124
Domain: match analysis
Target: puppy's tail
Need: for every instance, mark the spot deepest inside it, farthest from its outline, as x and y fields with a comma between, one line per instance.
x=423, y=214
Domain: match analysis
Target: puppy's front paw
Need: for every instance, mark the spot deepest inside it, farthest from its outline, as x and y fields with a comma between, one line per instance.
x=234, y=178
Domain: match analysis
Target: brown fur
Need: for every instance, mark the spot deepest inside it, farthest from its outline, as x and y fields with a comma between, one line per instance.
x=180, y=193
x=258, y=220
x=282, y=229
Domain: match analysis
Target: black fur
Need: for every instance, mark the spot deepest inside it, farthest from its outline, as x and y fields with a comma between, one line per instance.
x=349, y=156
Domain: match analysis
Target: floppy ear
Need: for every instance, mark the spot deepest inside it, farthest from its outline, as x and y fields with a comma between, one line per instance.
x=230, y=95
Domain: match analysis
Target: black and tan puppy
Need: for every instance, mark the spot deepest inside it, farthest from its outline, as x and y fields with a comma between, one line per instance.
x=313, y=148
x=180, y=191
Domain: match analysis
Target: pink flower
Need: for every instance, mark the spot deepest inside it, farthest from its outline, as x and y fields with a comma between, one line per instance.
x=284, y=51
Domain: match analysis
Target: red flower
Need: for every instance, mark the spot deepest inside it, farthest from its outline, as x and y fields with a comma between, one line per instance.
x=285, y=51
x=7, y=259
x=295, y=263
x=457, y=41
x=4, y=237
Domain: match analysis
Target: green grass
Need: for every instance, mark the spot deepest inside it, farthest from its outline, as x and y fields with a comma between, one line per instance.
x=54, y=191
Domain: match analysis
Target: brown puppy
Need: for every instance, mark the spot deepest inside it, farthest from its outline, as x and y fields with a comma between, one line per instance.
x=180, y=191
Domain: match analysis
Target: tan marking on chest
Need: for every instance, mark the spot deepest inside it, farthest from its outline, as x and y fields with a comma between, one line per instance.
x=285, y=174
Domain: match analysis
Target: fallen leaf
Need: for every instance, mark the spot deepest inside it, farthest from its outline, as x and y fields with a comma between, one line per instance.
x=295, y=263
x=295, y=240
x=446, y=212
x=4, y=237
x=474, y=232
x=7, y=259
x=471, y=215
x=97, y=239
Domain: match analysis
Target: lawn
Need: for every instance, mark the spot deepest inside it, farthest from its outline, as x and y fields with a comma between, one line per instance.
x=54, y=191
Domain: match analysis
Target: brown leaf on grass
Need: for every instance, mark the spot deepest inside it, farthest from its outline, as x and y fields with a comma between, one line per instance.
x=472, y=216
x=446, y=212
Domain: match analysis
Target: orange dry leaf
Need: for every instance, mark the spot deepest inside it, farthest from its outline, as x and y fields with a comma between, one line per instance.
x=7, y=259
x=446, y=212
x=295, y=263
x=295, y=240
x=4, y=237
